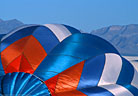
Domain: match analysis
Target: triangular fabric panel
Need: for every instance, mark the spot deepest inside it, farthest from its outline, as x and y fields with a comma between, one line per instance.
x=25, y=66
x=66, y=81
x=51, y=84
x=14, y=65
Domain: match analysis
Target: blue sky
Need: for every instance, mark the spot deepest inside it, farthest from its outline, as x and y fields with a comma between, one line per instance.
x=82, y=14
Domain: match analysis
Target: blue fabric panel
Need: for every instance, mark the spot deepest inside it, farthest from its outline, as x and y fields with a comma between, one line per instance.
x=79, y=50
x=43, y=92
x=71, y=29
x=0, y=86
x=78, y=46
x=46, y=38
x=96, y=91
x=1, y=35
x=16, y=36
x=92, y=72
x=126, y=74
x=84, y=46
x=52, y=65
x=1, y=68
x=15, y=84
x=132, y=89
x=92, y=40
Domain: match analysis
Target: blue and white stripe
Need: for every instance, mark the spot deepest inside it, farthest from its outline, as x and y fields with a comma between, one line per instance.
x=107, y=72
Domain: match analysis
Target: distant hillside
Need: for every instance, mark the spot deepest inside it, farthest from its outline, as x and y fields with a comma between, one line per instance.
x=6, y=26
x=124, y=38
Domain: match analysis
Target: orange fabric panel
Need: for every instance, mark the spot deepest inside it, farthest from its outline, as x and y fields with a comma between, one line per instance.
x=71, y=93
x=29, y=47
x=13, y=66
x=13, y=51
x=34, y=52
x=51, y=84
x=25, y=66
x=68, y=80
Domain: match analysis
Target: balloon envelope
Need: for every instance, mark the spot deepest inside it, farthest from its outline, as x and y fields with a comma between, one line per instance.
x=58, y=60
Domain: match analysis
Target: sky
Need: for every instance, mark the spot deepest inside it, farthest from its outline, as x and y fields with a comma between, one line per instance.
x=86, y=15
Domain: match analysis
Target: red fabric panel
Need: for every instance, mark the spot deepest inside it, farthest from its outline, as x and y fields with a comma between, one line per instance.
x=13, y=51
x=51, y=84
x=66, y=82
x=25, y=66
x=13, y=66
x=30, y=48
x=34, y=52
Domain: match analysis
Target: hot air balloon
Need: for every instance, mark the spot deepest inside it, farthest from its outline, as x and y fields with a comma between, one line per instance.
x=58, y=60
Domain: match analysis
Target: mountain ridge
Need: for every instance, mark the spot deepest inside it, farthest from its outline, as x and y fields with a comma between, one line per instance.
x=8, y=25
x=123, y=37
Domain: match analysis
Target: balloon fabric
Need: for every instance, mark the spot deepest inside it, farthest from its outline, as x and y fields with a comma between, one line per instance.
x=59, y=60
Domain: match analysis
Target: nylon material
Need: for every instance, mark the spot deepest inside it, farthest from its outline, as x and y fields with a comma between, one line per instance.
x=32, y=88
x=1, y=36
x=25, y=66
x=83, y=48
x=16, y=36
x=5, y=84
x=92, y=40
x=68, y=80
x=13, y=51
x=70, y=93
x=67, y=54
x=34, y=57
x=132, y=89
x=96, y=91
x=78, y=50
x=28, y=85
x=90, y=76
x=15, y=30
x=5, y=90
x=14, y=76
x=60, y=49
x=51, y=84
x=48, y=68
x=71, y=29
x=1, y=67
x=117, y=90
x=1, y=77
x=13, y=66
x=24, y=79
x=40, y=91
x=126, y=74
x=2, y=73
x=60, y=31
x=135, y=79
x=46, y=38
x=112, y=68
x=34, y=54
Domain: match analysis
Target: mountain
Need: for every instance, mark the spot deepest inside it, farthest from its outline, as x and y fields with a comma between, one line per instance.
x=124, y=38
x=8, y=25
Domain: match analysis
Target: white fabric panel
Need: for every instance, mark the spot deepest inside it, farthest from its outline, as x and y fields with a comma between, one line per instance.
x=112, y=68
x=117, y=90
x=9, y=34
x=60, y=31
x=135, y=79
